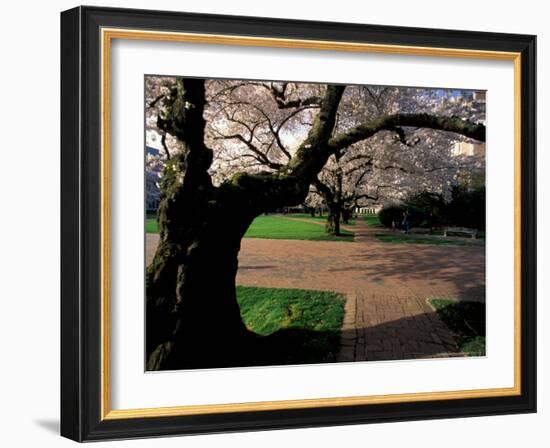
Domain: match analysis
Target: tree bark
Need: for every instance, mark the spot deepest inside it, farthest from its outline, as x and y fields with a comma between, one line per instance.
x=200, y=325
x=334, y=201
x=334, y=216
x=394, y=122
x=193, y=317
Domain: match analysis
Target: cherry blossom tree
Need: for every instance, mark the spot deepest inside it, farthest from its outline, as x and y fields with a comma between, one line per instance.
x=395, y=164
x=236, y=149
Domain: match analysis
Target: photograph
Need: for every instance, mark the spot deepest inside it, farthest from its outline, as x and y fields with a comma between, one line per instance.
x=291, y=223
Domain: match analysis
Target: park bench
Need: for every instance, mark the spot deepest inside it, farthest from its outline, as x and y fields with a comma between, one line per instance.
x=463, y=230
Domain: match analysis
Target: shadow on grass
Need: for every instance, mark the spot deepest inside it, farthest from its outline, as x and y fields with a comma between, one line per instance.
x=283, y=347
x=296, y=346
x=466, y=320
x=420, y=336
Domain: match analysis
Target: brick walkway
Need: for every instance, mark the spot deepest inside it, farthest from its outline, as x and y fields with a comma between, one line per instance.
x=386, y=286
x=378, y=327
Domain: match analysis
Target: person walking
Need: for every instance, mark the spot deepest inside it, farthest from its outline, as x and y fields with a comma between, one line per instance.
x=406, y=222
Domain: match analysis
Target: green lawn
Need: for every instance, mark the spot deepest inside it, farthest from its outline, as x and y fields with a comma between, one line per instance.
x=317, y=218
x=402, y=238
x=151, y=225
x=304, y=325
x=466, y=320
x=280, y=228
x=372, y=221
x=307, y=216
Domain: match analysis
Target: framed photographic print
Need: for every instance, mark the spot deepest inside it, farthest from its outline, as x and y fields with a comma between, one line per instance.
x=271, y=223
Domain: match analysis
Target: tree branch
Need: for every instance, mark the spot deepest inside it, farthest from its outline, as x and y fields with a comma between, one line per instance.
x=156, y=100
x=165, y=146
x=394, y=122
x=290, y=184
x=260, y=156
x=279, y=95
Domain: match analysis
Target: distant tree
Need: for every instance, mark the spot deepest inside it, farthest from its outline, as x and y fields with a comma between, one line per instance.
x=395, y=164
x=464, y=208
x=467, y=207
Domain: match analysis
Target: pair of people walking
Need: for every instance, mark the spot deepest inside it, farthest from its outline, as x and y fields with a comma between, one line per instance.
x=405, y=223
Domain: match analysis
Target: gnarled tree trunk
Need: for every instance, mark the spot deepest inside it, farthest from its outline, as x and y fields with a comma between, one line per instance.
x=192, y=311
x=199, y=324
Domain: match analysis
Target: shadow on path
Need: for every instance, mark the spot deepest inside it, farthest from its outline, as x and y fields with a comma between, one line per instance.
x=417, y=336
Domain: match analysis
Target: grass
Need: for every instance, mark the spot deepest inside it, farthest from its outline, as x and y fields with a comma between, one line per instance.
x=317, y=218
x=278, y=228
x=151, y=225
x=307, y=322
x=307, y=216
x=372, y=221
x=466, y=320
x=402, y=238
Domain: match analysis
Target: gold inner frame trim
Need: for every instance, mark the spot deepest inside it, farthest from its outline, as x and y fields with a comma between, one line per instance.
x=107, y=35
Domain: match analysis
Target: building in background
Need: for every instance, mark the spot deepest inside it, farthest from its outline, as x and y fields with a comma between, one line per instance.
x=474, y=149
x=153, y=172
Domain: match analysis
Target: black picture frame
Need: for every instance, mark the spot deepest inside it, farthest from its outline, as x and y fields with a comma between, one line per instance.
x=81, y=381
